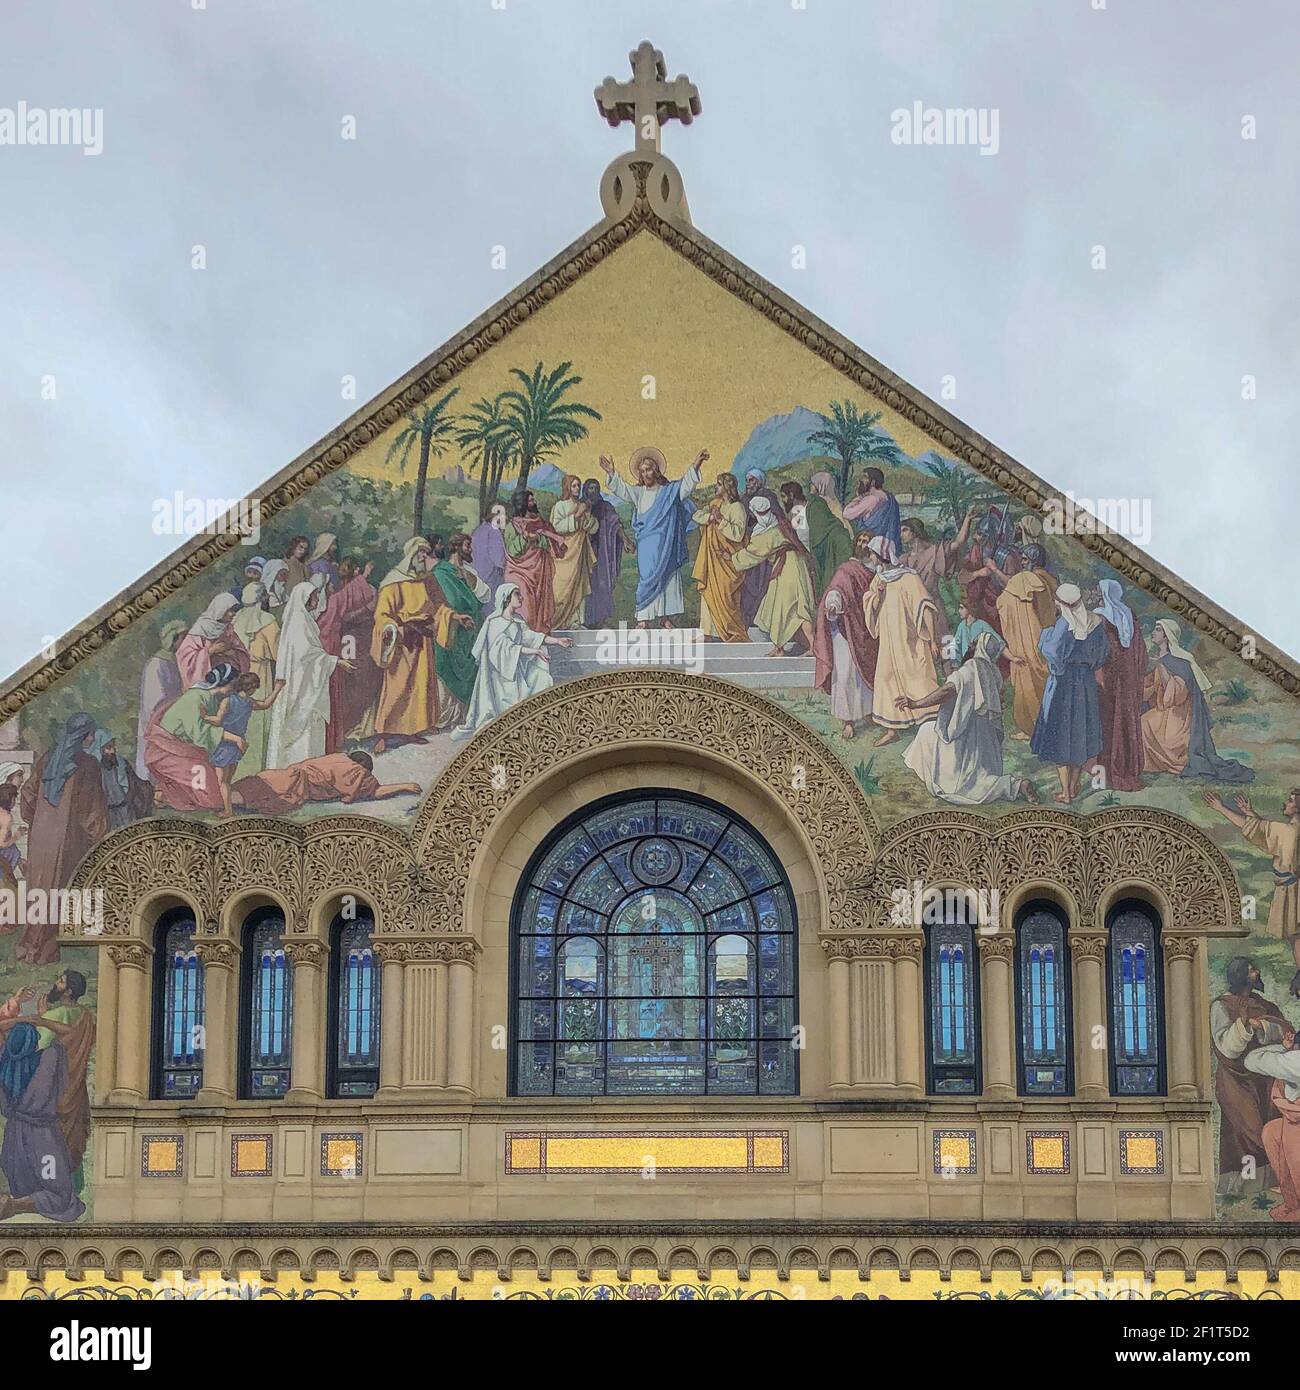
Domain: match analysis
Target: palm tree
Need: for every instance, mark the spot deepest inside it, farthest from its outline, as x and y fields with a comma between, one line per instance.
x=485, y=442
x=426, y=427
x=537, y=421
x=956, y=490
x=854, y=438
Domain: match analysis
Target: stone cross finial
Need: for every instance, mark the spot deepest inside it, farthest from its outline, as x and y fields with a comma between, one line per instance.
x=649, y=99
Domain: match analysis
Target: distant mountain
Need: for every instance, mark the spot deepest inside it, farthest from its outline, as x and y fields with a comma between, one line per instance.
x=546, y=476
x=779, y=441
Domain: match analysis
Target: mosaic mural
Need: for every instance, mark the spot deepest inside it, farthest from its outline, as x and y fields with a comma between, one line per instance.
x=636, y=478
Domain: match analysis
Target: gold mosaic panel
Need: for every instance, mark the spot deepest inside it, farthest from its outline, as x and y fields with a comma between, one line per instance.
x=1141, y=1152
x=340, y=1155
x=162, y=1156
x=668, y=1151
x=250, y=1156
x=1047, y=1151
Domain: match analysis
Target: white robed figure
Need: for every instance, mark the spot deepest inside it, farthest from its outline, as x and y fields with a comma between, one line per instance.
x=512, y=662
x=958, y=753
x=300, y=715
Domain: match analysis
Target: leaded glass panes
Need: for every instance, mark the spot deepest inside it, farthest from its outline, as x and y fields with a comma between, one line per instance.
x=952, y=993
x=1136, y=1008
x=354, y=996
x=655, y=955
x=266, y=1009
x=1043, y=994
x=178, y=1071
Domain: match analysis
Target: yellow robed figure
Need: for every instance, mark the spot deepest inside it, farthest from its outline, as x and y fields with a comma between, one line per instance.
x=409, y=621
x=722, y=534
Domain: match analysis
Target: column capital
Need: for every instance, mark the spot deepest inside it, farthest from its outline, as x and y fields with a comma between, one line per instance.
x=1180, y=947
x=997, y=946
x=129, y=955
x=305, y=952
x=223, y=954
x=1088, y=945
x=873, y=946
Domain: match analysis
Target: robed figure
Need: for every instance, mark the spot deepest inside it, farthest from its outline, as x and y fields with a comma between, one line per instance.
x=1282, y=1134
x=900, y=615
x=1121, y=691
x=512, y=662
x=411, y=620
x=66, y=813
x=1068, y=731
x=722, y=534
x=608, y=544
x=34, y=1157
x=532, y=546
x=571, y=518
x=1241, y=1020
x=661, y=517
x=844, y=649
x=466, y=593
x=300, y=716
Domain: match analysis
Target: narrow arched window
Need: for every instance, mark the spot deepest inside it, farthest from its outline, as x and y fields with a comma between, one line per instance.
x=354, y=1007
x=266, y=1008
x=1045, y=1048
x=952, y=1007
x=1137, y=1016
x=178, y=1009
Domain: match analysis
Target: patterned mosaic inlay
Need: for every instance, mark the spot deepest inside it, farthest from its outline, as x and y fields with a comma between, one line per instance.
x=954, y=1152
x=162, y=1156
x=1047, y=1151
x=340, y=1155
x=1141, y=1151
x=663, y=1151
x=250, y=1155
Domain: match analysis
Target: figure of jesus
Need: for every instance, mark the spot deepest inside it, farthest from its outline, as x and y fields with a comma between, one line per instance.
x=661, y=516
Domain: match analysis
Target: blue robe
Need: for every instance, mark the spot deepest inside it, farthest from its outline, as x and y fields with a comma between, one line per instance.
x=1068, y=732
x=1203, y=758
x=884, y=519
x=660, y=534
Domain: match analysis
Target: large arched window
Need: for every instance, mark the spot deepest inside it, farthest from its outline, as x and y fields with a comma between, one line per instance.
x=1137, y=1015
x=952, y=1009
x=1044, y=1038
x=654, y=954
x=266, y=1008
x=354, y=1006
x=178, y=1009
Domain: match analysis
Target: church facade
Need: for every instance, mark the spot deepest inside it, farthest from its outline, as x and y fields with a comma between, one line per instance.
x=651, y=813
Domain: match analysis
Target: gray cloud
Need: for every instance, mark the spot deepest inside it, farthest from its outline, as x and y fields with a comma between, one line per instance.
x=326, y=257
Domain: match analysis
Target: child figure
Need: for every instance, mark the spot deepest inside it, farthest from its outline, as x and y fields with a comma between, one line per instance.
x=232, y=716
x=12, y=865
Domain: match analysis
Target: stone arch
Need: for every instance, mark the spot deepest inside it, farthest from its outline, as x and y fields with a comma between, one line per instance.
x=630, y=713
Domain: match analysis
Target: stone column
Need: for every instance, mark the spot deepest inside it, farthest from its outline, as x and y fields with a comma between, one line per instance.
x=393, y=954
x=1091, y=1023
x=460, y=1018
x=220, y=1042
x=999, y=1009
x=306, y=1074
x=909, y=996
x=106, y=1021
x=1181, y=1014
x=837, y=1012
x=131, y=1081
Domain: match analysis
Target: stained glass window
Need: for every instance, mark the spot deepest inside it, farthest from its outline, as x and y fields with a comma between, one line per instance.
x=354, y=992
x=1043, y=989
x=654, y=954
x=267, y=1004
x=952, y=994
x=1136, y=1008
x=178, y=1025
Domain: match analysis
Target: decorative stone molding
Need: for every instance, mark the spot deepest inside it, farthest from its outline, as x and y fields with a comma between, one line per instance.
x=220, y=953
x=999, y=947
x=714, y=1249
x=624, y=709
x=1088, y=945
x=493, y=327
x=305, y=952
x=1087, y=856
x=872, y=947
x=1180, y=947
x=129, y=955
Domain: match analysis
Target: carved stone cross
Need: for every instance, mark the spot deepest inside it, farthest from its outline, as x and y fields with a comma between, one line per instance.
x=649, y=99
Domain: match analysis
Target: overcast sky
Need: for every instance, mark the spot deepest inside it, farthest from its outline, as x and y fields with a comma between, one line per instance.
x=1119, y=127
